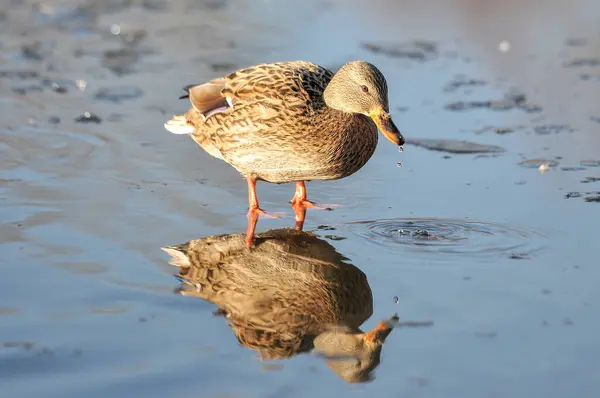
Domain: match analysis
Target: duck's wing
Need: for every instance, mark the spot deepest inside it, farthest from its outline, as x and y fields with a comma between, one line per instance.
x=289, y=83
x=207, y=98
x=293, y=85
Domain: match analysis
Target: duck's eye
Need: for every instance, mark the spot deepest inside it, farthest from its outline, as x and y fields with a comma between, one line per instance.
x=364, y=88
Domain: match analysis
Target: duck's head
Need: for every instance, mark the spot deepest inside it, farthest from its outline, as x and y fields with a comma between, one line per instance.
x=359, y=87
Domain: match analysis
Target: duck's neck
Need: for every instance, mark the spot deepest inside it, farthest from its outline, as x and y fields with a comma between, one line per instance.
x=347, y=136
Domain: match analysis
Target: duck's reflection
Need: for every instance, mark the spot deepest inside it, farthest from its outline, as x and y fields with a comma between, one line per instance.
x=292, y=293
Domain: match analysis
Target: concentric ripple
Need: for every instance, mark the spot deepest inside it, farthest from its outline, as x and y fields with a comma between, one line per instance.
x=438, y=235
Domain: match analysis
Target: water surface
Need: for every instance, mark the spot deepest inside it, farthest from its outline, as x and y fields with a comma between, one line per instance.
x=500, y=258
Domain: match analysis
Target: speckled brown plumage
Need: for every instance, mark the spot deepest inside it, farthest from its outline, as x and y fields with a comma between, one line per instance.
x=290, y=122
x=279, y=297
x=280, y=130
x=291, y=285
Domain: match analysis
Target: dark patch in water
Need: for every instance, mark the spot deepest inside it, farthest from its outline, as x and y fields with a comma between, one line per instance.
x=576, y=42
x=155, y=5
x=593, y=196
x=334, y=237
x=118, y=94
x=552, y=129
x=19, y=74
x=587, y=180
x=461, y=81
x=25, y=345
x=593, y=77
x=590, y=163
x=579, y=62
x=36, y=51
x=536, y=163
x=59, y=86
x=499, y=130
x=326, y=228
x=454, y=146
x=510, y=101
x=486, y=156
x=418, y=50
x=223, y=66
x=123, y=60
x=573, y=168
x=544, y=129
x=519, y=256
x=88, y=118
x=32, y=88
x=213, y=5
x=59, y=89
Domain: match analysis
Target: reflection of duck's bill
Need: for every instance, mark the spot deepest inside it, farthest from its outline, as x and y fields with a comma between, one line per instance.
x=380, y=332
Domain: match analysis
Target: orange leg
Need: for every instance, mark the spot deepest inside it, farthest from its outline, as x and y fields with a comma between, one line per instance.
x=300, y=198
x=254, y=211
x=300, y=203
x=300, y=213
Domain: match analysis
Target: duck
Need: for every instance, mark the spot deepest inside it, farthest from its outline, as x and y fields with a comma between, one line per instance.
x=287, y=122
x=294, y=294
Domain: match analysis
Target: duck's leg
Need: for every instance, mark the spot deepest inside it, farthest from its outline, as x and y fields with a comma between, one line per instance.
x=300, y=198
x=254, y=211
x=300, y=213
x=300, y=203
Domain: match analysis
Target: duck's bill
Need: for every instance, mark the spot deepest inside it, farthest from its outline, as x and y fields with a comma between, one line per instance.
x=388, y=128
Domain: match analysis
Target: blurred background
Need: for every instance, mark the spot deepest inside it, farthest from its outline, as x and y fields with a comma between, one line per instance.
x=488, y=233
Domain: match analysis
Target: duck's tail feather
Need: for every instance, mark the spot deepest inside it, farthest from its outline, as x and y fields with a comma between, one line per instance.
x=187, y=91
x=179, y=125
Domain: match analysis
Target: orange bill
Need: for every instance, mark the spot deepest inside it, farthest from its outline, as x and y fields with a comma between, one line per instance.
x=387, y=127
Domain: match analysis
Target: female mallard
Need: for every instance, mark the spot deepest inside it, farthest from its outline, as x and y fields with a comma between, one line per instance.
x=290, y=122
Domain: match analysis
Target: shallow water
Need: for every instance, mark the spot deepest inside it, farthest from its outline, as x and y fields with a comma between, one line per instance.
x=499, y=257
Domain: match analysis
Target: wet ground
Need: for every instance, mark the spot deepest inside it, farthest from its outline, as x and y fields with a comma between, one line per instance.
x=486, y=238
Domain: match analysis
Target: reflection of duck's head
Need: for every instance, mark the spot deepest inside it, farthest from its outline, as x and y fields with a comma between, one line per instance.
x=279, y=296
x=354, y=355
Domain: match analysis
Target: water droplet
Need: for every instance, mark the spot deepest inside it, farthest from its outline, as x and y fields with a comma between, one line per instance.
x=81, y=84
x=399, y=164
x=115, y=29
x=400, y=148
x=396, y=300
x=504, y=46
